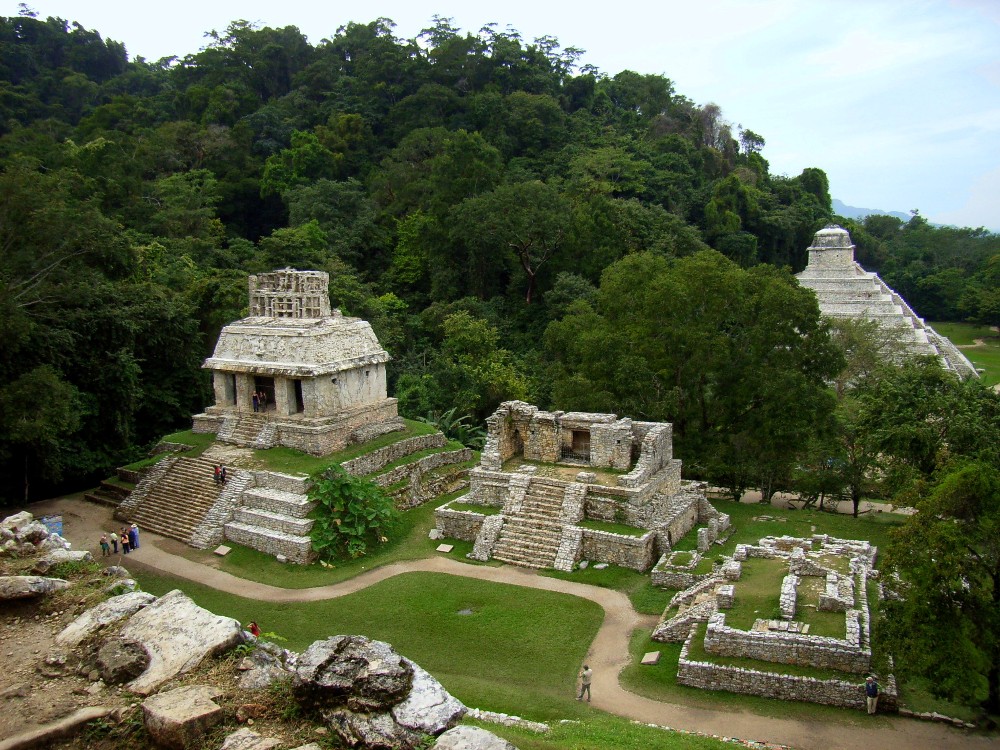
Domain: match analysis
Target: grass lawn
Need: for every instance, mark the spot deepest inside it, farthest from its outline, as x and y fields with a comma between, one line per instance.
x=600, y=732
x=290, y=461
x=614, y=528
x=408, y=542
x=646, y=598
x=875, y=527
x=198, y=441
x=518, y=651
x=987, y=357
x=485, y=510
x=757, y=592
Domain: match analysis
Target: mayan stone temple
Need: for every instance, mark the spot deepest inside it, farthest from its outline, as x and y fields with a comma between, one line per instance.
x=322, y=375
x=544, y=475
x=846, y=290
x=294, y=373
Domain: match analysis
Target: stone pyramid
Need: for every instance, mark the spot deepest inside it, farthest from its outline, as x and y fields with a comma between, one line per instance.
x=846, y=290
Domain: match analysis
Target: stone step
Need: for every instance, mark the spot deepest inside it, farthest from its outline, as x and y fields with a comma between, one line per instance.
x=274, y=521
x=278, y=501
x=523, y=560
x=521, y=526
x=527, y=546
x=295, y=548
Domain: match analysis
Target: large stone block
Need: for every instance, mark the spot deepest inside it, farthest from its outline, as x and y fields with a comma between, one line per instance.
x=177, y=719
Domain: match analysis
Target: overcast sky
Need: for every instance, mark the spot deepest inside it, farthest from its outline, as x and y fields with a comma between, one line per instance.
x=897, y=100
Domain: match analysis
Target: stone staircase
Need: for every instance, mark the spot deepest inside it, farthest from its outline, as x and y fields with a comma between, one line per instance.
x=272, y=518
x=244, y=428
x=175, y=503
x=532, y=533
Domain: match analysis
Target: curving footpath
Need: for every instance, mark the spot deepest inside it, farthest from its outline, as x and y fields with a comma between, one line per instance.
x=608, y=654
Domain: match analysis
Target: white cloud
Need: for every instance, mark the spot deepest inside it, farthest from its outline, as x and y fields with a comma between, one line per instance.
x=981, y=205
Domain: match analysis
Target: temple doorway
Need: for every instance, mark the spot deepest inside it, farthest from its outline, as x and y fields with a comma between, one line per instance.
x=299, y=402
x=265, y=386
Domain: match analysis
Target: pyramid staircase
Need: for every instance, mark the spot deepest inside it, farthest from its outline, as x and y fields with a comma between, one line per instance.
x=531, y=535
x=178, y=500
x=246, y=429
x=851, y=292
x=273, y=520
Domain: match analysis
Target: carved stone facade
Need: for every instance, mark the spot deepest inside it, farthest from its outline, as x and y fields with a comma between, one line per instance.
x=846, y=290
x=323, y=375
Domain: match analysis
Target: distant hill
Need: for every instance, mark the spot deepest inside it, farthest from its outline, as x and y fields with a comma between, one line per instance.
x=853, y=212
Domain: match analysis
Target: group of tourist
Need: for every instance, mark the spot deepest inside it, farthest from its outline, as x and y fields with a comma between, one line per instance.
x=259, y=401
x=128, y=537
x=220, y=474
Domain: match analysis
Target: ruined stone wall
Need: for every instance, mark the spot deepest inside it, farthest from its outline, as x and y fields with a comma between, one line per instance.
x=382, y=457
x=709, y=676
x=656, y=451
x=786, y=648
x=458, y=524
x=611, y=445
x=347, y=389
x=542, y=441
x=322, y=437
x=488, y=487
x=637, y=553
x=422, y=466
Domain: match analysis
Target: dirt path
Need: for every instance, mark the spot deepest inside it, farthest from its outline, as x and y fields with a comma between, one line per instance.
x=608, y=654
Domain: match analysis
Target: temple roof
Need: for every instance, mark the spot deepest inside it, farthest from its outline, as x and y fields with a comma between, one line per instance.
x=296, y=347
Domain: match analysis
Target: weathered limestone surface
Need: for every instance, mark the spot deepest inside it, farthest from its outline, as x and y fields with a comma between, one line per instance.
x=177, y=634
x=29, y=587
x=247, y=739
x=111, y=610
x=429, y=708
x=471, y=738
x=178, y=718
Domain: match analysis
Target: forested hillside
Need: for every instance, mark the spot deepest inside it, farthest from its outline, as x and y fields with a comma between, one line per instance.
x=513, y=222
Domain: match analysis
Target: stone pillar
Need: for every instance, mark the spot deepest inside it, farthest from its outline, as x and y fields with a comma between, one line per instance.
x=703, y=543
x=225, y=389
x=244, y=391
x=284, y=402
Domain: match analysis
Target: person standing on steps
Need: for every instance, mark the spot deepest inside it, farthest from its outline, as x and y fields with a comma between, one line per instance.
x=218, y=473
x=586, y=677
x=222, y=475
x=256, y=402
x=871, y=695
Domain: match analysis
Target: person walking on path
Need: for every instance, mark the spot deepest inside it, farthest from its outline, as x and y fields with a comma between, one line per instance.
x=114, y=541
x=871, y=695
x=105, y=547
x=124, y=541
x=586, y=677
x=133, y=536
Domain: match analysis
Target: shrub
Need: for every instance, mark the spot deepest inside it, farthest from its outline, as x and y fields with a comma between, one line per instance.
x=351, y=514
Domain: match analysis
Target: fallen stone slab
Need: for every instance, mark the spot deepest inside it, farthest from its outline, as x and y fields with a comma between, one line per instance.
x=177, y=634
x=373, y=731
x=32, y=533
x=247, y=739
x=352, y=671
x=18, y=520
x=48, y=734
x=27, y=587
x=96, y=618
x=429, y=708
x=177, y=718
x=58, y=556
x=471, y=738
x=120, y=660
x=651, y=658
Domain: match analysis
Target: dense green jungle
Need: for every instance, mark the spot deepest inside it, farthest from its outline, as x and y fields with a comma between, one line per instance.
x=514, y=223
